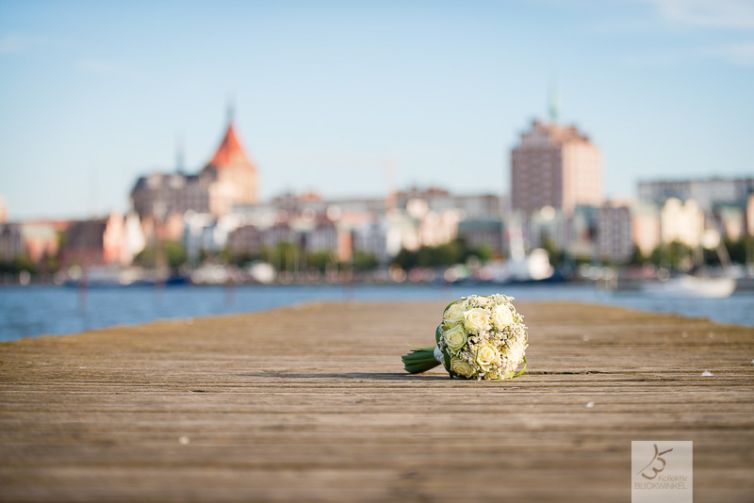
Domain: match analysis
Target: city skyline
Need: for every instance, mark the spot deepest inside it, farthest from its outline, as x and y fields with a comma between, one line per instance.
x=323, y=92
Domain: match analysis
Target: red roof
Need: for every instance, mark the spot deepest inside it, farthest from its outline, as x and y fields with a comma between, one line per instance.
x=230, y=152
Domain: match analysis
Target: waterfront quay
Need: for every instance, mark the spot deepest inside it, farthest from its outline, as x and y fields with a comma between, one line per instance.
x=310, y=403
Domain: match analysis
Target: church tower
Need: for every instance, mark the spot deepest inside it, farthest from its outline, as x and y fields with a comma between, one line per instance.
x=233, y=175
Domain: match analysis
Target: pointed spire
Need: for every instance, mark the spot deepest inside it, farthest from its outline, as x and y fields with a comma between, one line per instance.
x=230, y=151
x=552, y=101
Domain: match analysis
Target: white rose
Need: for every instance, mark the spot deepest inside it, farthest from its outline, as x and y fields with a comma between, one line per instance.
x=487, y=356
x=453, y=314
x=502, y=316
x=455, y=338
x=461, y=367
x=476, y=320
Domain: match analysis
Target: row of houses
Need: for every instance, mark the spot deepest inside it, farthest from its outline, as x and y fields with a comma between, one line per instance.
x=616, y=230
x=382, y=227
x=378, y=226
x=113, y=239
x=341, y=227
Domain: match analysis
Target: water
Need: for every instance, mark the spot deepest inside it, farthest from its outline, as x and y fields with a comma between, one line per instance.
x=35, y=310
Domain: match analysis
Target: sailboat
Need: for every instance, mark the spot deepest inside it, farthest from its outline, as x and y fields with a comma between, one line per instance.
x=688, y=286
x=692, y=286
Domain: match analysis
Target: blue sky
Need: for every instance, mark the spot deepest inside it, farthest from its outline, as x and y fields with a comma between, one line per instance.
x=328, y=93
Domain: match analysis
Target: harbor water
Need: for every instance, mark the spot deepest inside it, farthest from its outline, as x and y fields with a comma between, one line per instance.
x=38, y=310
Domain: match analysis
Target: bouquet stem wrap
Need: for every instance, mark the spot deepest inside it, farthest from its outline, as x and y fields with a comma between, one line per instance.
x=420, y=360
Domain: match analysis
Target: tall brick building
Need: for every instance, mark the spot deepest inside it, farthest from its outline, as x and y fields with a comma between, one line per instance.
x=555, y=165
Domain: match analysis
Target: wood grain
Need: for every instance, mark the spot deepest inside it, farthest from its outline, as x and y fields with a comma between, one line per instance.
x=310, y=403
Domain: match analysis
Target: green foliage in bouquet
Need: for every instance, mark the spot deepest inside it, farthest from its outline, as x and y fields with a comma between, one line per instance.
x=478, y=338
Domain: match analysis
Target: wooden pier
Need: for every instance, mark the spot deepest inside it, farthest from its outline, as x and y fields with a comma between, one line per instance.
x=310, y=403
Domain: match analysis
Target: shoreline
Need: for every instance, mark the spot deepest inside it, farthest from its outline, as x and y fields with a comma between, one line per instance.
x=33, y=311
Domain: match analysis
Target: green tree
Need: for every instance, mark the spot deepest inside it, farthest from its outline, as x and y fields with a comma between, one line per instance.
x=444, y=255
x=173, y=252
x=740, y=250
x=284, y=256
x=319, y=261
x=675, y=255
x=364, y=261
x=637, y=257
x=405, y=259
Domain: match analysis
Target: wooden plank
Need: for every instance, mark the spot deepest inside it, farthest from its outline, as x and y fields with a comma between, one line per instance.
x=310, y=403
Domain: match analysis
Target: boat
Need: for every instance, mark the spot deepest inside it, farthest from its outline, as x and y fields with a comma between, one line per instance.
x=688, y=286
x=116, y=277
x=520, y=266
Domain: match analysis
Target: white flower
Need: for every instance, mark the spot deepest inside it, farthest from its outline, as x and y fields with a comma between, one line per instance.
x=461, y=367
x=453, y=314
x=487, y=356
x=504, y=299
x=502, y=316
x=515, y=353
x=476, y=320
x=455, y=338
x=482, y=301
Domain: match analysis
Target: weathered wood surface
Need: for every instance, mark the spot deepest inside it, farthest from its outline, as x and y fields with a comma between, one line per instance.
x=310, y=403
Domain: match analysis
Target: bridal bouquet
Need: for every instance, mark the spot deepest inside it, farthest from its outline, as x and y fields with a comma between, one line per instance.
x=478, y=338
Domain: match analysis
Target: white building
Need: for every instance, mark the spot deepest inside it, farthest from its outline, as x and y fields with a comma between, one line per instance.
x=682, y=221
x=645, y=227
x=705, y=191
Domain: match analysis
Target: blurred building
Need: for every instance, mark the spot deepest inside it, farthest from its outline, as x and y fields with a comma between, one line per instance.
x=342, y=226
x=112, y=240
x=483, y=232
x=371, y=236
x=199, y=235
x=645, y=227
x=11, y=241
x=707, y=192
x=230, y=174
x=437, y=199
x=546, y=227
x=93, y=242
x=682, y=221
x=323, y=237
x=34, y=239
x=614, y=232
x=40, y=239
x=730, y=221
x=134, y=239
x=582, y=230
x=555, y=165
x=159, y=195
x=228, y=179
x=245, y=241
